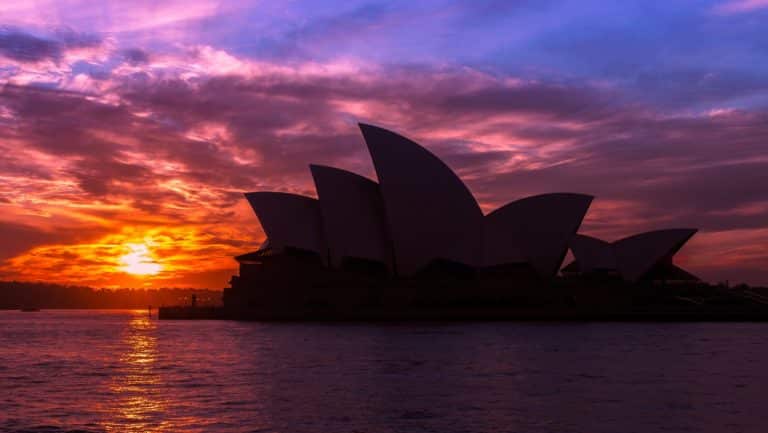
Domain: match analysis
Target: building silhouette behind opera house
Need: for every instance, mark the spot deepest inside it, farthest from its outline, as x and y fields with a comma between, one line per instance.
x=418, y=236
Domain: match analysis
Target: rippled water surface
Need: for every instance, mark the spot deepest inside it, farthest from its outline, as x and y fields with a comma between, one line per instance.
x=119, y=371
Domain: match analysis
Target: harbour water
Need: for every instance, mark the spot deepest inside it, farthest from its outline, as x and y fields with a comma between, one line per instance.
x=120, y=371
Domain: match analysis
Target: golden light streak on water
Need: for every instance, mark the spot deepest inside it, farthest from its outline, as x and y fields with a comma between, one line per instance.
x=139, y=389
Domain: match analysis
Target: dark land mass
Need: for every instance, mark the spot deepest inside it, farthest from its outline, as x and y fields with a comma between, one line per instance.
x=26, y=295
x=335, y=300
x=339, y=296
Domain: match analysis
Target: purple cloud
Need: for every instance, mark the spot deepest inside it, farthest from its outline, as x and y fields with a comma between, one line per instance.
x=101, y=136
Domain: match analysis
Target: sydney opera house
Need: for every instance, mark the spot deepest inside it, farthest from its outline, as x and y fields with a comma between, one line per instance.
x=418, y=229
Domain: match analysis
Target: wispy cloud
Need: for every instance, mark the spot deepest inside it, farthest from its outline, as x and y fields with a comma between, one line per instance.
x=740, y=6
x=125, y=124
x=181, y=136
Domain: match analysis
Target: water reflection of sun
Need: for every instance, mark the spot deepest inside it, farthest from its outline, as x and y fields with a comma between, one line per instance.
x=139, y=261
x=138, y=387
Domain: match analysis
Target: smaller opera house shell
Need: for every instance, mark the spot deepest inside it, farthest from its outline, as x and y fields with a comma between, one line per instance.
x=644, y=256
x=419, y=219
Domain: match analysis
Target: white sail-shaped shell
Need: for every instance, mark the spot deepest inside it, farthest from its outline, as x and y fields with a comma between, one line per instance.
x=536, y=230
x=353, y=216
x=289, y=220
x=430, y=212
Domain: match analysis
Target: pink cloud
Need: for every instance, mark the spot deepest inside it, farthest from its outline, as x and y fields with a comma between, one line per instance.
x=111, y=15
x=740, y=6
x=165, y=146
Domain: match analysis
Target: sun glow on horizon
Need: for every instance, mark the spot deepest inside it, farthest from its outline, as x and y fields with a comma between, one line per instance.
x=139, y=261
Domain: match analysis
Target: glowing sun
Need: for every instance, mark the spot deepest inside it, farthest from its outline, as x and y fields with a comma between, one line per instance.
x=138, y=261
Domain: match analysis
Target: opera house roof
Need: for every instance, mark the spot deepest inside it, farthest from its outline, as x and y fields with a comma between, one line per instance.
x=419, y=211
x=632, y=257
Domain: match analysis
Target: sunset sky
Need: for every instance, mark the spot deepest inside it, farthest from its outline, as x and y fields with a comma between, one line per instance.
x=130, y=129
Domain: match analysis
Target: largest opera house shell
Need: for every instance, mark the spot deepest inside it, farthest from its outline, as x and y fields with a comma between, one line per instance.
x=418, y=213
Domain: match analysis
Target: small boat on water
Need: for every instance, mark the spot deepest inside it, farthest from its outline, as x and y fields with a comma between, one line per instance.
x=29, y=309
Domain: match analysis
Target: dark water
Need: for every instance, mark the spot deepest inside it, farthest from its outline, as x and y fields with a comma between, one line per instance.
x=118, y=371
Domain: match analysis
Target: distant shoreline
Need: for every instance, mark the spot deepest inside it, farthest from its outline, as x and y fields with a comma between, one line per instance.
x=15, y=295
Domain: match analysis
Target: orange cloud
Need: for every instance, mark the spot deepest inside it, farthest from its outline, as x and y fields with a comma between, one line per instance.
x=133, y=257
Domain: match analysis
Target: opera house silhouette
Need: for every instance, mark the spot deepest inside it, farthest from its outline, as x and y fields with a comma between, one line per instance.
x=418, y=236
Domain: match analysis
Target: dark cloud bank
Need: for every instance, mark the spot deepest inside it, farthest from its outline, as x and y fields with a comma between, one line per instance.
x=507, y=140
